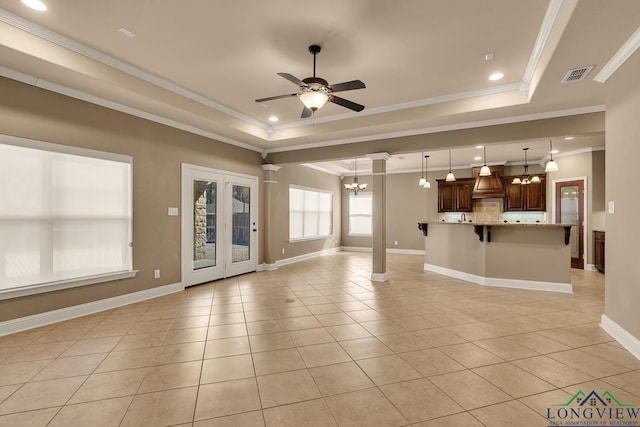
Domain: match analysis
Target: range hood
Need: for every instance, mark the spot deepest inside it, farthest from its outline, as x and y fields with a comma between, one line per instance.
x=488, y=187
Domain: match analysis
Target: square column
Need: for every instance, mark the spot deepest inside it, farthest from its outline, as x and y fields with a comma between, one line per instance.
x=379, y=216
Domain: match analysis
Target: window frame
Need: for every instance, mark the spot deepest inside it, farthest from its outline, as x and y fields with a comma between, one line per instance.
x=73, y=282
x=352, y=197
x=331, y=212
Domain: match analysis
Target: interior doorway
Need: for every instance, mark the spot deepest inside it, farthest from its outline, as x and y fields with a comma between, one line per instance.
x=569, y=209
x=219, y=224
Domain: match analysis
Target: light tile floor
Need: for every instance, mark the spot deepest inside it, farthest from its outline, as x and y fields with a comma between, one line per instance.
x=421, y=350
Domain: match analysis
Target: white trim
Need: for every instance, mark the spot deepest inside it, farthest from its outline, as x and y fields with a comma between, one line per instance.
x=590, y=267
x=306, y=239
x=501, y=283
x=65, y=284
x=620, y=57
x=585, y=202
x=379, y=156
x=266, y=267
x=268, y=181
x=64, y=149
x=548, y=22
x=29, y=322
x=446, y=128
x=270, y=167
x=621, y=335
x=512, y=87
x=292, y=260
x=406, y=251
x=379, y=277
x=389, y=250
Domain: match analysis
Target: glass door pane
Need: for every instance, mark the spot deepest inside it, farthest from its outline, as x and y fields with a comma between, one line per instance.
x=204, y=224
x=241, y=223
x=570, y=214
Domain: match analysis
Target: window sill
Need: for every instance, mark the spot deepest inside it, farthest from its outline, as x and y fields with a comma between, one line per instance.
x=306, y=239
x=64, y=284
x=359, y=235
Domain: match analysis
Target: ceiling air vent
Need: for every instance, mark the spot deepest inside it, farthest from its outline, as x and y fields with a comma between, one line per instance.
x=577, y=74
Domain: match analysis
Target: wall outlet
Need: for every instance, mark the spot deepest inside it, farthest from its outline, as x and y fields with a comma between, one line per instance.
x=612, y=207
x=156, y=274
x=282, y=251
x=172, y=211
x=395, y=242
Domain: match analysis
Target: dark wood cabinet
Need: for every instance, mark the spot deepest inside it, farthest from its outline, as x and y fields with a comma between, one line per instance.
x=455, y=196
x=521, y=198
x=598, y=250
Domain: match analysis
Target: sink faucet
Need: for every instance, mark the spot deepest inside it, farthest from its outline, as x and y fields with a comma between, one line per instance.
x=463, y=217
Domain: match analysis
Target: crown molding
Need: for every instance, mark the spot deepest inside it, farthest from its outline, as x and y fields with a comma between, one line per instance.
x=620, y=57
x=436, y=129
x=82, y=49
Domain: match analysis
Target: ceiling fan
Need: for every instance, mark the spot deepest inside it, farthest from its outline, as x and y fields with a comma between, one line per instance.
x=315, y=91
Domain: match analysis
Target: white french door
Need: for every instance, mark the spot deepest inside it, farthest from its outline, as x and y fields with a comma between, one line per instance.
x=219, y=224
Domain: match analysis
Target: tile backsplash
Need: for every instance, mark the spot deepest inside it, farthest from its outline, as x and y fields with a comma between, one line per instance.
x=486, y=210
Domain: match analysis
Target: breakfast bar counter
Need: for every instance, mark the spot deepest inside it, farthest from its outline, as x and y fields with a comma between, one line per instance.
x=517, y=255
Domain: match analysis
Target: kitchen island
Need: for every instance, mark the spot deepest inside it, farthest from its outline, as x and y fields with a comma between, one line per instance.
x=516, y=255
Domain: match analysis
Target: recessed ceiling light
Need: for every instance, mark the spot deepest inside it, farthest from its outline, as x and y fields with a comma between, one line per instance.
x=477, y=158
x=489, y=56
x=496, y=76
x=554, y=151
x=479, y=146
x=35, y=4
x=568, y=137
x=127, y=33
x=273, y=119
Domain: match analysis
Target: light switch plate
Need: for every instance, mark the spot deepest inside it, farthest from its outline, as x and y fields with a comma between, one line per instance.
x=172, y=211
x=612, y=207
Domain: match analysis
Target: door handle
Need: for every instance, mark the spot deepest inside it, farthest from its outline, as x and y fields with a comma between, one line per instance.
x=255, y=229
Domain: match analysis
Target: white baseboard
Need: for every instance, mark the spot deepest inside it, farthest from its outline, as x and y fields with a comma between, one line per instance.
x=356, y=249
x=287, y=261
x=389, y=250
x=379, y=277
x=621, y=335
x=501, y=283
x=590, y=267
x=37, y=320
x=266, y=267
x=406, y=251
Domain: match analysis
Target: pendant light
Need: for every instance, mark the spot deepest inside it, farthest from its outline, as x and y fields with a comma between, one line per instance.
x=450, y=176
x=525, y=179
x=426, y=184
x=485, y=171
x=551, y=165
x=422, y=180
x=355, y=186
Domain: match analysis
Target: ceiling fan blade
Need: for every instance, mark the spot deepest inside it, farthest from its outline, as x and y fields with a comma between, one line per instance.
x=353, y=84
x=271, y=98
x=293, y=79
x=306, y=113
x=346, y=103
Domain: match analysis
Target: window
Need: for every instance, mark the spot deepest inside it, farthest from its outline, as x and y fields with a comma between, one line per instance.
x=310, y=213
x=360, y=223
x=65, y=216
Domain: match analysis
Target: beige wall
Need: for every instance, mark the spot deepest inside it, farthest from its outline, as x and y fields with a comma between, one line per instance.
x=313, y=179
x=157, y=152
x=590, y=165
x=622, y=290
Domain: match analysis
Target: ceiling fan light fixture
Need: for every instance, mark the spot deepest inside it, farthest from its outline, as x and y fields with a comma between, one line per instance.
x=314, y=100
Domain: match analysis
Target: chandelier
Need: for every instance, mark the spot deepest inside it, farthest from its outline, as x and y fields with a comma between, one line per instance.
x=526, y=179
x=355, y=186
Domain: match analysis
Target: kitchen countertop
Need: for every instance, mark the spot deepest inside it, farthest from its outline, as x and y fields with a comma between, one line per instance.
x=500, y=223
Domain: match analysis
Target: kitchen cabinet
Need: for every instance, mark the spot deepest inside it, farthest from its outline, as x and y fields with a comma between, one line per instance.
x=522, y=198
x=455, y=196
x=598, y=250
x=488, y=187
